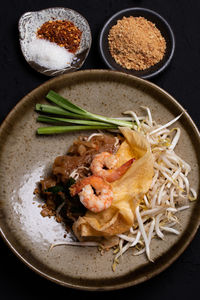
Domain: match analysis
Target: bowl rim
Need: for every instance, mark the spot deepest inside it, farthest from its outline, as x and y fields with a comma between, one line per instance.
x=171, y=34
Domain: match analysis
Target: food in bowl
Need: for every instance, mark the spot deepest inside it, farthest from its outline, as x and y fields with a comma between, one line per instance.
x=120, y=189
x=136, y=43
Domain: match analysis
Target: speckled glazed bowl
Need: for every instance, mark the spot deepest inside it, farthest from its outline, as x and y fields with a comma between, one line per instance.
x=151, y=16
x=31, y=21
x=26, y=157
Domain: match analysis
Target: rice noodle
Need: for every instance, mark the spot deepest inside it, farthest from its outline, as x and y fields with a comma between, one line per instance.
x=75, y=174
x=92, y=135
x=59, y=208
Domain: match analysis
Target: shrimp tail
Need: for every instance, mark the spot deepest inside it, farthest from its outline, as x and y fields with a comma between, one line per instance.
x=117, y=173
x=95, y=181
x=77, y=187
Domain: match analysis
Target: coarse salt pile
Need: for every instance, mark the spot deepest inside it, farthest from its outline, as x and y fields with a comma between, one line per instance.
x=49, y=55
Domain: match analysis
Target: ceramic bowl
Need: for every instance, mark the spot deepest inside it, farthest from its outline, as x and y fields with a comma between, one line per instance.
x=30, y=235
x=31, y=21
x=160, y=23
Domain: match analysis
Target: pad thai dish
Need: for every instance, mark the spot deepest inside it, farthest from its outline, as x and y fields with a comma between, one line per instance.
x=120, y=188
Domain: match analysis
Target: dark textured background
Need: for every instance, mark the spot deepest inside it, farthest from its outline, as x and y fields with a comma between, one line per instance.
x=181, y=79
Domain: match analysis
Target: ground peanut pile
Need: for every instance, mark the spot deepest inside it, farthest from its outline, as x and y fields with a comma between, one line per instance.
x=136, y=43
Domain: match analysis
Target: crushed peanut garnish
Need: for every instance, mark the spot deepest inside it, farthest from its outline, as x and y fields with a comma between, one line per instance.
x=136, y=43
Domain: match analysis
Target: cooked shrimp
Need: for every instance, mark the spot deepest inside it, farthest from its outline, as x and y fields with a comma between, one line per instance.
x=96, y=201
x=108, y=160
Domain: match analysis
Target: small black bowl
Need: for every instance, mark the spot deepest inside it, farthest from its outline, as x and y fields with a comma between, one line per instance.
x=160, y=23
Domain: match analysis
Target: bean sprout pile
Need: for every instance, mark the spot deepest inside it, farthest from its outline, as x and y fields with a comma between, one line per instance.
x=169, y=192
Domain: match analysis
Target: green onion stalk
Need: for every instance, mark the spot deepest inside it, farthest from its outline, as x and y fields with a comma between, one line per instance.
x=82, y=119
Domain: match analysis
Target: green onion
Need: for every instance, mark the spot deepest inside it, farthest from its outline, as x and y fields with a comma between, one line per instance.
x=82, y=119
x=47, y=119
x=66, y=104
x=55, y=189
x=63, y=129
x=50, y=109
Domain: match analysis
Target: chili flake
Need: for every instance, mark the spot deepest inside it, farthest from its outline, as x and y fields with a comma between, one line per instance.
x=63, y=33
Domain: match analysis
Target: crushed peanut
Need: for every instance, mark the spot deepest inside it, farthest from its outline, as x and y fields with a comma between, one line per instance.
x=136, y=43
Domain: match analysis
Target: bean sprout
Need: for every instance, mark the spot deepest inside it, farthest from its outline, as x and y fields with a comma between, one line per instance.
x=133, y=114
x=170, y=188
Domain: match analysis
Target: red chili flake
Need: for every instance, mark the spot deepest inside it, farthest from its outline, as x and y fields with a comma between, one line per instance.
x=63, y=33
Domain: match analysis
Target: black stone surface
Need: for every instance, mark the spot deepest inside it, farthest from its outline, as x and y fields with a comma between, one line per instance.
x=181, y=79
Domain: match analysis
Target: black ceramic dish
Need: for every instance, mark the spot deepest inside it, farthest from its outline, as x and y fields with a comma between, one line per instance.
x=160, y=23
